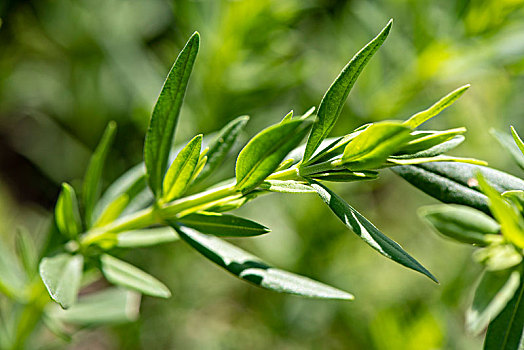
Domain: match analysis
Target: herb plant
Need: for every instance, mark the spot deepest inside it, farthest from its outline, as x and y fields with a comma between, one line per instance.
x=486, y=210
x=156, y=202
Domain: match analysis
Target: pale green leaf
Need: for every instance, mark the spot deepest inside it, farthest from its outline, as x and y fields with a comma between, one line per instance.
x=498, y=257
x=27, y=252
x=508, y=143
x=371, y=148
x=494, y=290
x=159, y=136
x=110, y=306
x=113, y=210
x=146, y=237
x=67, y=215
x=518, y=140
x=424, y=140
x=335, y=97
x=462, y=223
x=288, y=186
x=124, y=274
x=250, y=268
x=264, y=152
x=223, y=225
x=93, y=177
x=181, y=170
x=61, y=275
x=517, y=198
x=287, y=117
x=435, y=109
x=345, y=175
x=438, y=158
x=365, y=230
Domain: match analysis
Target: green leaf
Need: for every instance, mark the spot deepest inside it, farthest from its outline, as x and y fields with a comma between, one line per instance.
x=335, y=97
x=288, y=186
x=113, y=210
x=124, y=274
x=336, y=147
x=132, y=183
x=93, y=177
x=12, y=278
x=456, y=183
x=518, y=140
x=371, y=148
x=287, y=117
x=110, y=306
x=221, y=146
x=250, y=268
x=517, y=198
x=61, y=275
x=146, y=237
x=345, y=175
x=511, y=222
x=27, y=252
x=365, y=230
x=498, y=257
x=493, y=292
x=439, y=158
x=505, y=332
x=508, y=143
x=263, y=154
x=424, y=140
x=67, y=215
x=159, y=136
x=461, y=223
x=181, y=170
x=223, y=225
x=432, y=111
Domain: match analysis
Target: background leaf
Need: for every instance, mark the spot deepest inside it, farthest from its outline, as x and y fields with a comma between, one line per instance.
x=61, y=275
x=124, y=274
x=93, y=177
x=335, y=97
x=146, y=237
x=159, y=136
x=252, y=269
x=67, y=215
x=508, y=143
x=365, y=230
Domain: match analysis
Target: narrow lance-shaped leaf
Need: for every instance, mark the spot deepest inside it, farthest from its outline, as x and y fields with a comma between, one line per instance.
x=335, y=98
x=511, y=223
x=432, y=111
x=365, y=230
x=181, y=171
x=345, y=176
x=146, y=237
x=508, y=143
x=288, y=186
x=124, y=274
x=287, y=117
x=61, y=275
x=223, y=225
x=518, y=140
x=93, y=177
x=250, y=268
x=423, y=140
x=159, y=136
x=433, y=150
x=462, y=223
x=438, y=158
x=67, y=215
x=371, y=148
x=493, y=292
x=263, y=154
x=221, y=146
x=113, y=210
x=506, y=331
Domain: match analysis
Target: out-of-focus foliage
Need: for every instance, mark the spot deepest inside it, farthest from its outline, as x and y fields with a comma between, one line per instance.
x=67, y=67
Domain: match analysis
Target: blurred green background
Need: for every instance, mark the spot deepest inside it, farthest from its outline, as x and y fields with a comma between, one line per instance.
x=68, y=67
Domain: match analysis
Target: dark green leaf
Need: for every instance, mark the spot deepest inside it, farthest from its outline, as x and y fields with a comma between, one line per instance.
x=508, y=143
x=432, y=111
x=146, y=237
x=61, y=275
x=456, y=183
x=335, y=97
x=110, y=306
x=263, y=154
x=493, y=292
x=124, y=274
x=181, y=170
x=250, y=268
x=365, y=230
x=462, y=223
x=505, y=332
x=220, y=147
x=371, y=148
x=288, y=186
x=93, y=177
x=223, y=225
x=67, y=215
x=159, y=136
